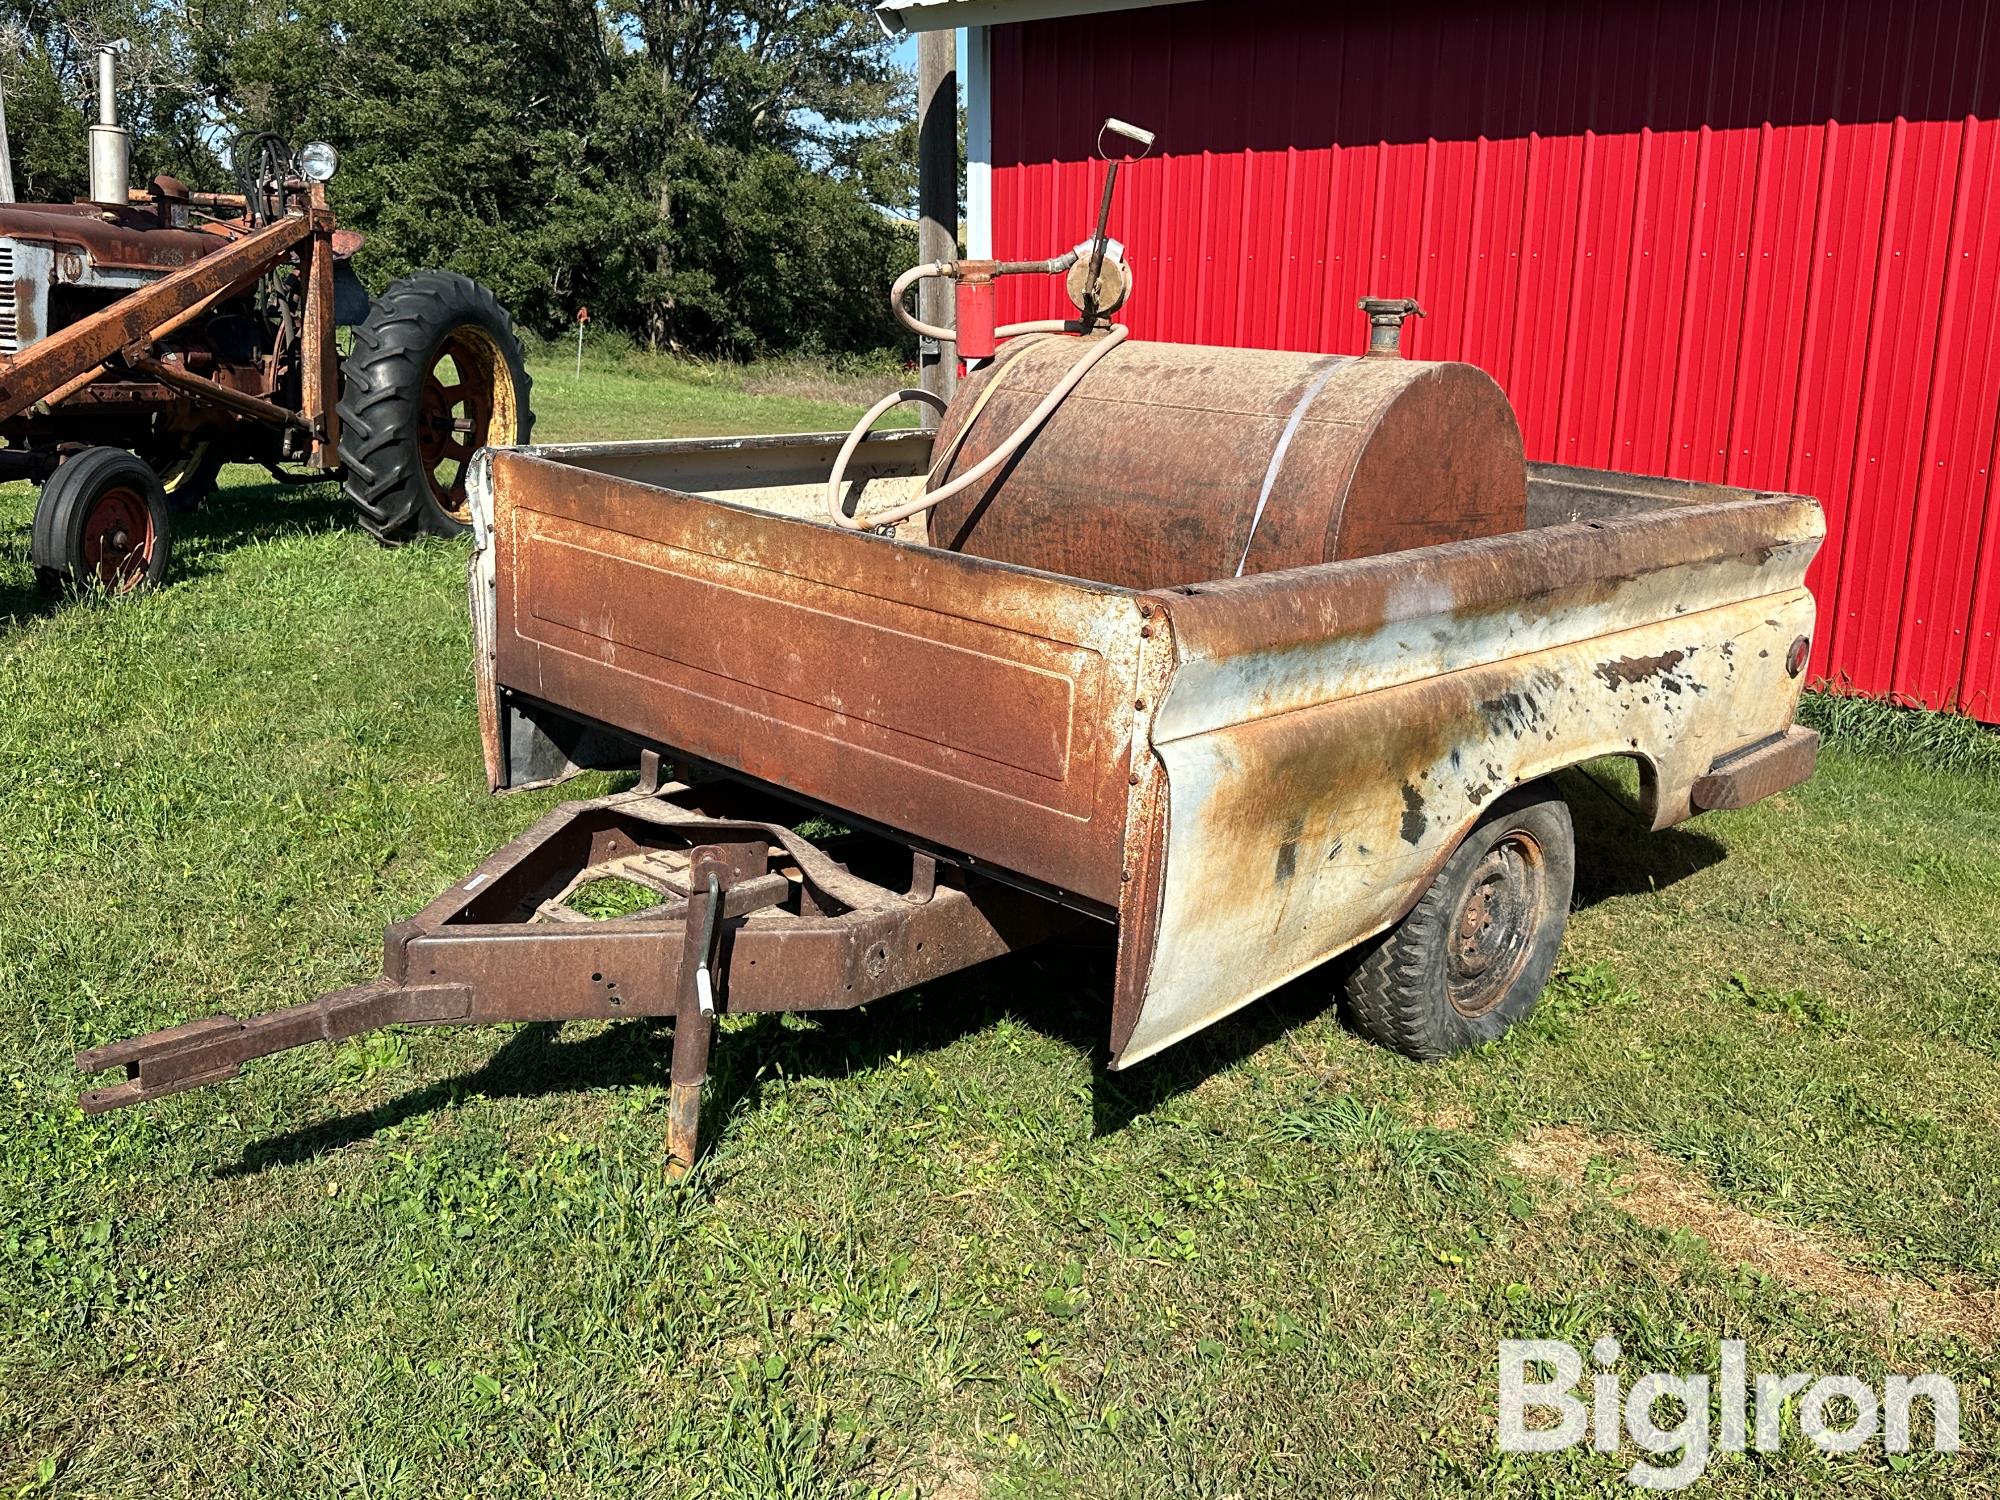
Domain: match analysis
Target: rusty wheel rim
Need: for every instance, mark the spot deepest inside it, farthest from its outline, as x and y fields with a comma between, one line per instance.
x=1494, y=925
x=181, y=467
x=118, y=539
x=467, y=397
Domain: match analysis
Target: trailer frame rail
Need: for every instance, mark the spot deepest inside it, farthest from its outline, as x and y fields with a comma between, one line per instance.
x=753, y=917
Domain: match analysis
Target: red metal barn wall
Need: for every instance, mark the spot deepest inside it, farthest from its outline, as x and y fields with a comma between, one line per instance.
x=1757, y=243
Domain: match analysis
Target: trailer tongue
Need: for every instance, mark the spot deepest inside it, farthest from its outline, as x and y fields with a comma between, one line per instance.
x=1035, y=671
x=794, y=929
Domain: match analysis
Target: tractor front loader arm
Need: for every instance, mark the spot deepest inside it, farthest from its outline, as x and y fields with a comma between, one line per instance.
x=55, y=366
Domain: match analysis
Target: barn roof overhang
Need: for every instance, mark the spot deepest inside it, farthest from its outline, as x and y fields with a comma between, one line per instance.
x=899, y=16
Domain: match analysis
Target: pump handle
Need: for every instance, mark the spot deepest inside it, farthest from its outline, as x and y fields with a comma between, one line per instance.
x=1130, y=132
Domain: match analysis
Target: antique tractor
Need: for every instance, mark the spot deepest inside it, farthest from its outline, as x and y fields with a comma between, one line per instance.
x=148, y=338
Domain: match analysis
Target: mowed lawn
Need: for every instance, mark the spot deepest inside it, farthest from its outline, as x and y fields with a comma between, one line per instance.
x=936, y=1248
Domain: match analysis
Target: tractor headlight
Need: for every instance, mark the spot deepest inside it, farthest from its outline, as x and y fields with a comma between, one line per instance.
x=317, y=161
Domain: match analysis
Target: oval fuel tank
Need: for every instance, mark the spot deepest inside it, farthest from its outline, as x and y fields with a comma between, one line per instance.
x=1176, y=463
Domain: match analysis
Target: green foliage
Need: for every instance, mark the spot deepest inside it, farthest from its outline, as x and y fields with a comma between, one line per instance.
x=466, y=136
x=1370, y=1138
x=715, y=178
x=791, y=259
x=697, y=174
x=1943, y=741
x=48, y=68
x=611, y=897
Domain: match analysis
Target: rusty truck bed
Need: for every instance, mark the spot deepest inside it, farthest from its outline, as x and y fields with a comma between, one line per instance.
x=1248, y=776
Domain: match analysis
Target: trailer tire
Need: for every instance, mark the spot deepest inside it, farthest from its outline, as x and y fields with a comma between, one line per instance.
x=1471, y=957
x=401, y=442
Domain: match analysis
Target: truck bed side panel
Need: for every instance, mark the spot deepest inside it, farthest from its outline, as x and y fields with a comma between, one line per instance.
x=1328, y=739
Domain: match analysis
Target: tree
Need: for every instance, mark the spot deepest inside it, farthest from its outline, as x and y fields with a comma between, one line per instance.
x=709, y=176
x=467, y=135
x=48, y=65
x=718, y=93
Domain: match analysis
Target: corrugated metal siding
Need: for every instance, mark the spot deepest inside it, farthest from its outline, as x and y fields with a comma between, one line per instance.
x=1754, y=242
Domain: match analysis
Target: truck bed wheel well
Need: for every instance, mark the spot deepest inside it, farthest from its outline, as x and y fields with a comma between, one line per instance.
x=1469, y=959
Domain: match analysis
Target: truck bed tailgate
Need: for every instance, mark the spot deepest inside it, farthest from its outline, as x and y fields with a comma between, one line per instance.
x=985, y=709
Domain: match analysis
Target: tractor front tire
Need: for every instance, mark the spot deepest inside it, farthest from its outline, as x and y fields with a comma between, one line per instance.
x=102, y=523
x=435, y=375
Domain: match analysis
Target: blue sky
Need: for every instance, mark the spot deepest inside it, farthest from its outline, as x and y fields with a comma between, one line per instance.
x=906, y=53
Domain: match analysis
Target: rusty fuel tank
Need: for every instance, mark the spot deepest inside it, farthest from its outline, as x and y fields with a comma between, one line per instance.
x=1175, y=464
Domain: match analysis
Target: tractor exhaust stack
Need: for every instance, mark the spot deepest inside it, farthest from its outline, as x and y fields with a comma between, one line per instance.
x=6, y=161
x=110, y=142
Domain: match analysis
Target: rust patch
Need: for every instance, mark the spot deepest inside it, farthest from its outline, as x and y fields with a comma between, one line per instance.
x=1660, y=1194
x=984, y=709
x=1759, y=772
x=1173, y=465
x=46, y=368
x=1415, y=821
x=119, y=238
x=1633, y=670
x=1511, y=712
x=1581, y=563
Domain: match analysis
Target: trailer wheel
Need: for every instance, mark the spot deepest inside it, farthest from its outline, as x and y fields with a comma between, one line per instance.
x=102, y=521
x=1471, y=957
x=435, y=375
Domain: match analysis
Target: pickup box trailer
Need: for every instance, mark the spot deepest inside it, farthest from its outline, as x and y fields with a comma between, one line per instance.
x=1245, y=778
x=1243, y=772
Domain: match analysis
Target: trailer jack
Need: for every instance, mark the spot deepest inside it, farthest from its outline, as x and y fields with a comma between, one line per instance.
x=752, y=918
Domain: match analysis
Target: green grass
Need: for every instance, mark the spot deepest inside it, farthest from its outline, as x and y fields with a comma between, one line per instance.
x=623, y=394
x=1948, y=742
x=937, y=1248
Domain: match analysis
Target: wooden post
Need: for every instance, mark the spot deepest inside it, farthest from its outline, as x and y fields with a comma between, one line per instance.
x=937, y=199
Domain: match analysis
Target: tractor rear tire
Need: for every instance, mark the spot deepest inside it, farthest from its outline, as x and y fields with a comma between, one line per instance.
x=1470, y=959
x=102, y=523
x=435, y=375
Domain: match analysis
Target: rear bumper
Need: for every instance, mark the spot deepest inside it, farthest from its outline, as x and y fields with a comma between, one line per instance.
x=1751, y=775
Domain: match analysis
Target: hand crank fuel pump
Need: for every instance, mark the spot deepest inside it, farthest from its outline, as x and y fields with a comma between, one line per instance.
x=975, y=281
x=1073, y=448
